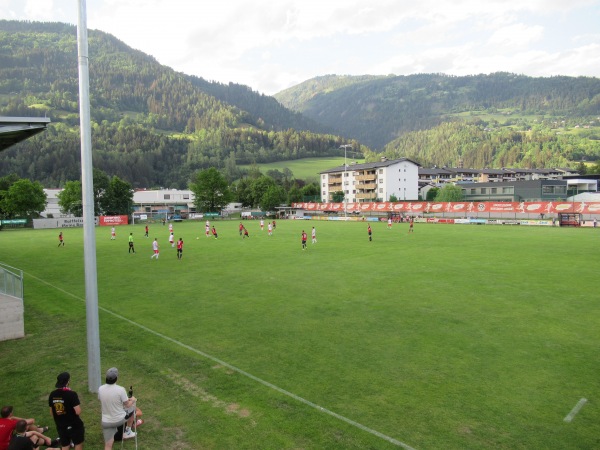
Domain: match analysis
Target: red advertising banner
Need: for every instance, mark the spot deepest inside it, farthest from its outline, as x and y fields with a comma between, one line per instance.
x=111, y=221
x=457, y=207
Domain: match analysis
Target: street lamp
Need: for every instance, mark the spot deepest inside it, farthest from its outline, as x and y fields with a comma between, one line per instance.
x=345, y=146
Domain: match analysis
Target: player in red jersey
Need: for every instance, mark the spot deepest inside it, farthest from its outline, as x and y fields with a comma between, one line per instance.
x=179, y=248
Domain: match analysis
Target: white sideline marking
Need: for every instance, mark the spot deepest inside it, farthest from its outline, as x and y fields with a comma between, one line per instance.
x=575, y=410
x=240, y=371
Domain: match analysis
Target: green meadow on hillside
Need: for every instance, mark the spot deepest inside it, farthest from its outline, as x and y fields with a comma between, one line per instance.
x=305, y=169
x=451, y=337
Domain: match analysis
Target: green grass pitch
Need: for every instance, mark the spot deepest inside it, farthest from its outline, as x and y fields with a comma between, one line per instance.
x=452, y=337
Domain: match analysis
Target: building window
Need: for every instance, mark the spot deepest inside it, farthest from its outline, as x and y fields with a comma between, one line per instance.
x=167, y=197
x=494, y=191
x=324, y=193
x=381, y=181
x=381, y=190
x=186, y=196
x=346, y=174
x=473, y=191
x=484, y=190
x=554, y=190
x=380, y=170
x=507, y=190
x=324, y=184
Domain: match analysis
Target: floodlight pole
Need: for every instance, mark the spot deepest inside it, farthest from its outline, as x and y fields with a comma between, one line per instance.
x=87, y=185
x=345, y=146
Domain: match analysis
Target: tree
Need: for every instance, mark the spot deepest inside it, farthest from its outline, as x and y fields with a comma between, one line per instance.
x=449, y=193
x=118, y=197
x=24, y=198
x=312, y=192
x=295, y=195
x=273, y=197
x=211, y=190
x=5, y=184
x=581, y=168
x=259, y=187
x=432, y=194
x=393, y=198
x=70, y=199
x=101, y=182
x=243, y=193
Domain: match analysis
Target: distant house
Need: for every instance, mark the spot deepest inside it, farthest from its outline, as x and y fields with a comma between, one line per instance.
x=164, y=202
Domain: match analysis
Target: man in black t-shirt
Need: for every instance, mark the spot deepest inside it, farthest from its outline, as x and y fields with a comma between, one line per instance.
x=66, y=408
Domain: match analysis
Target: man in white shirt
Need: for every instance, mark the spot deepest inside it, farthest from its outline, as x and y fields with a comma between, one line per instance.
x=115, y=407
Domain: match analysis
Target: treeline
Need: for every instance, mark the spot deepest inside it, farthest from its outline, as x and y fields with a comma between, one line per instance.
x=146, y=158
x=376, y=110
x=478, y=146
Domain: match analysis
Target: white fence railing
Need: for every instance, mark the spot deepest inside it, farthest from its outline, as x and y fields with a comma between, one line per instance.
x=11, y=281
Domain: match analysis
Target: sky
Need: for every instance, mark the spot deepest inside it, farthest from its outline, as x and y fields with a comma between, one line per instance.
x=271, y=45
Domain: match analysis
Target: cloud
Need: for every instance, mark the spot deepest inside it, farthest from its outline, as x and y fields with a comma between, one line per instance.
x=271, y=45
x=516, y=35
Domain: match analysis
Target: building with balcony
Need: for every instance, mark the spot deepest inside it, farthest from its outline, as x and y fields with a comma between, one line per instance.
x=371, y=182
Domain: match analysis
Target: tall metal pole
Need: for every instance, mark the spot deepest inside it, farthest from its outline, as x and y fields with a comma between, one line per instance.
x=87, y=184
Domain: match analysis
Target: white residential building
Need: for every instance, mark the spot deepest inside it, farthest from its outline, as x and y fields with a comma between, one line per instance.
x=164, y=201
x=371, y=182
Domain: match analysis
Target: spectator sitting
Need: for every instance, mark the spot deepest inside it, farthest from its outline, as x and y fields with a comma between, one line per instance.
x=8, y=423
x=29, y=440
x=117, y=409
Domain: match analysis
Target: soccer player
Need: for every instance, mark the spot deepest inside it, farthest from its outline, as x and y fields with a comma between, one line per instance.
x=370, y=233
x=262, y=224
x=246, y=235
x=113, y=234
x=410, y=227
x=155, y=248
x=304, y=237
x=214, y=232
x=172, y=240
x=131, y=248
x=170, y=228
x=207, y=229
x=314, y=235
x=390, y=223
x=179, y=248
x=241, y=229
x=61, y=240
x=146, y=235
x=270, y=229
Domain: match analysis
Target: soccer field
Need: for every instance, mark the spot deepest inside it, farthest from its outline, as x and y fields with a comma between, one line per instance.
x=450, y=337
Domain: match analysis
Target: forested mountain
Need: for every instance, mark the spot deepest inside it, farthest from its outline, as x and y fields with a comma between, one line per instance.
x=376, y=110
x=151, y=126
